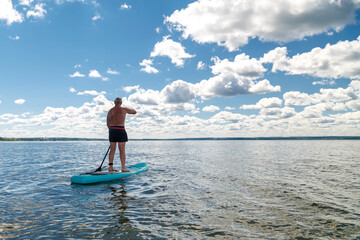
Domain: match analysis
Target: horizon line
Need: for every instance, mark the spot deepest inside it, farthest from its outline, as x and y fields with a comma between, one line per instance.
x=185, y=139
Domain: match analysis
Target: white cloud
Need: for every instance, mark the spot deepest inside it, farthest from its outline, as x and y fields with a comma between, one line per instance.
x=94, y=74
x=14, y=38
x=76, y=74
x=265, y=103
x=148, y=97
x=316, y=111
x=235, y=78
x=228, y=117
x=200, y=65
x=174, y=50
x=336, y=95
x=285, y=112
x=211, y=108
x=96, y=17
x=157, y=29
x=19, y=101
x=231, y=23
x=95, y=3
x=72, y=90
x=59, y=2
x=146, y=63
x=229, y=108
x=242, y=65
x=91, y=92
x=25, y=2
x=353, y=105
x=25, y=114
x=173, y=97
x=195, y=111
x=263, y=86
x=324, y=82
x=178, y=92
x=8, y=13
x=112, y=72
x=77, y=66
x=131, y=88
x=125, y=6
x=230, y=84
x=37, y=12
x=339, y=95
x=8, y=116
x=355, y=84
x=296, y=98
x=277, y=57
x=341, y=60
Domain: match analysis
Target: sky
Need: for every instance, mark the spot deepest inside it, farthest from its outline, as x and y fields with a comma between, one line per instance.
x=206, y=68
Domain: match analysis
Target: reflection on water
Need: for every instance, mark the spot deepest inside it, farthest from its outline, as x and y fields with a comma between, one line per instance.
x=193, y=190
x=119, y=205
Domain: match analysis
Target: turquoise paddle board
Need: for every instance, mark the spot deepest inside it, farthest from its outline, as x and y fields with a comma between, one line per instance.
x=95, y=177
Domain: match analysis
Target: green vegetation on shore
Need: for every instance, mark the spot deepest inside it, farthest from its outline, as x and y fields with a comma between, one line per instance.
x=185, y=139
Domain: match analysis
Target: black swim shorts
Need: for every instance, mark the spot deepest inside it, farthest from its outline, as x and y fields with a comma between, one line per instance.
x=117, y=134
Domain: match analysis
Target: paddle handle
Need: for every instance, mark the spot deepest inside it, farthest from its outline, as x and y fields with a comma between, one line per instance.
x=99, y=169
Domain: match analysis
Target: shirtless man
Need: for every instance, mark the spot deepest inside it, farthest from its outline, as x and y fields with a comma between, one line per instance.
x=117, y=134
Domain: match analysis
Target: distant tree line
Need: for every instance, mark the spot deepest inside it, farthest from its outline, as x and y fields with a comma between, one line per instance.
x=51, y=139
x=259, y=138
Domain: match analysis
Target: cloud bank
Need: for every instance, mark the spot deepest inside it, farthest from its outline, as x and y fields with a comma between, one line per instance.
x=232, y=23
x=340, y=60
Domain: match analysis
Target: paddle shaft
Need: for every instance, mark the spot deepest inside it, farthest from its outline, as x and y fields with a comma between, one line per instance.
x=99, y=169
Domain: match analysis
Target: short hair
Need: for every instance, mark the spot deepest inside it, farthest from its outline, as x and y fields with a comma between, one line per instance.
x=118, y=100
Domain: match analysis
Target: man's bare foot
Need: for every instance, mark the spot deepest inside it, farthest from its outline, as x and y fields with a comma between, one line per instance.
x=125, y=170
x=111, y=169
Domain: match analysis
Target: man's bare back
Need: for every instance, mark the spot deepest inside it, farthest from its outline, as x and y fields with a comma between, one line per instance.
x=116, y=115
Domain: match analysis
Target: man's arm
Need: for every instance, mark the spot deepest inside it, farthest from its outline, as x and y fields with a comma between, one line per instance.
x=130, y=111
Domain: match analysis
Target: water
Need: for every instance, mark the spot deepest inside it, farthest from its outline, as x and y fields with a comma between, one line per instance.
x=193, y=190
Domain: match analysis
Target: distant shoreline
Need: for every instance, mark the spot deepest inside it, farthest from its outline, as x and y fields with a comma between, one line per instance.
x=188, y=139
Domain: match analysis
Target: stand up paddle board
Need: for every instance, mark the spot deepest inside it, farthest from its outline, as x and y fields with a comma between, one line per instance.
x=96, y=177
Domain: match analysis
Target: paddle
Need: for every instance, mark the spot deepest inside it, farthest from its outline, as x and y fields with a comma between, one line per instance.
x=99, y=169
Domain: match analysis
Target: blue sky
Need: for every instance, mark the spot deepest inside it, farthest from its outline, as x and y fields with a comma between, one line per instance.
x=226, y=68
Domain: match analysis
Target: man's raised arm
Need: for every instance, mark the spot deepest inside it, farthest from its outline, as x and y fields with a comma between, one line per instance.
x=130, y=111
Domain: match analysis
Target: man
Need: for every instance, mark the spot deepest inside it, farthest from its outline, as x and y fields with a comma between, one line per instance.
x=117, y=134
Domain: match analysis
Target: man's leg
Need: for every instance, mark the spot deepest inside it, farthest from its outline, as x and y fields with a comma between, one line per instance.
x=111, y=155
x=123, y=156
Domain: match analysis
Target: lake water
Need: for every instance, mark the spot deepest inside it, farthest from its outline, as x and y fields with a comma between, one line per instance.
x=193, y=190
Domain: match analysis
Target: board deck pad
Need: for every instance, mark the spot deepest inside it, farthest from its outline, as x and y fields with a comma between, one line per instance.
x=95, y=177
x=101, y=173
